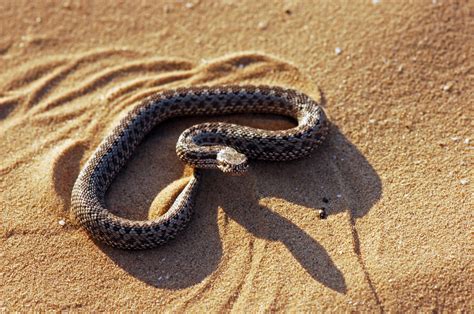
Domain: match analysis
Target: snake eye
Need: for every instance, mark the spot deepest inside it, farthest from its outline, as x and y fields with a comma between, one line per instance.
x=231, y=161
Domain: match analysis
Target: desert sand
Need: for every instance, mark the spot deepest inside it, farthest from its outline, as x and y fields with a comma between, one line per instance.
x=395, y=173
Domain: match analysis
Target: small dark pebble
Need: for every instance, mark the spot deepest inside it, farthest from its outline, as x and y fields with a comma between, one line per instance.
x=325, y=200
x=288, y=12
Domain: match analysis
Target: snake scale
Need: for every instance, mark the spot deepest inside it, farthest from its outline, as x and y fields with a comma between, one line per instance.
x=209, y=145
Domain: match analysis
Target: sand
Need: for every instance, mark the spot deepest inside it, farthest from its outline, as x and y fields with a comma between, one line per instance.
x=395, y=174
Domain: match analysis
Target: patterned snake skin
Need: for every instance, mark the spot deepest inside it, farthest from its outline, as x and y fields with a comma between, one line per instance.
x=208, y=145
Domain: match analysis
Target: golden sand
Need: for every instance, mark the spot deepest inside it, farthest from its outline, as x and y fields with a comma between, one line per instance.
x=395, y=174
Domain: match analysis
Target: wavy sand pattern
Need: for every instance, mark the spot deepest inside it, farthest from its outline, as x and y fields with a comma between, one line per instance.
x=64, y=109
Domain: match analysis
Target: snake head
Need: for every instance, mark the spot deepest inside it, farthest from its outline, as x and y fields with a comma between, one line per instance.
x=231, y=161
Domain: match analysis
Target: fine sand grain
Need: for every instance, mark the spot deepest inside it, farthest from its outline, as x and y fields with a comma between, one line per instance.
x=395, y=174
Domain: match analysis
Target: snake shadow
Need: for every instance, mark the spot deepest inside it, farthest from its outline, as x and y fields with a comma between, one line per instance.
x=336, y=177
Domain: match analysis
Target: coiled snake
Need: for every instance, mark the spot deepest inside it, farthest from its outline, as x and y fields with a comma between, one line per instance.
x=209, y=145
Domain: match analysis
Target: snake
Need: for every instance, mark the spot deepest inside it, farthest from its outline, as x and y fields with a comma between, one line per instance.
x=212, y=145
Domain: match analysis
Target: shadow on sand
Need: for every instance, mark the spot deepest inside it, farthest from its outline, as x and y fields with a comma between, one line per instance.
x=336, y=166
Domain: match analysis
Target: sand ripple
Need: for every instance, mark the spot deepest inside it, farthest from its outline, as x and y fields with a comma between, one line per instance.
x=247, y=231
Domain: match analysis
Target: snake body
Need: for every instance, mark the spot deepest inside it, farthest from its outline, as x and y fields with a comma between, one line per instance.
x=209, y=145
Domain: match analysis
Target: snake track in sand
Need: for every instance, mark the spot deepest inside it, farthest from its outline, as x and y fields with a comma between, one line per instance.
x=208, y=145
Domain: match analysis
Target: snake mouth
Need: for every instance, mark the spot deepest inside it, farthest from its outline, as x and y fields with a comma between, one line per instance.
x=231, y=161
